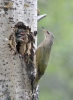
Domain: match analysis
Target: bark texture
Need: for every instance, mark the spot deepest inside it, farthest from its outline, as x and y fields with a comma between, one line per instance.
x=14, y=81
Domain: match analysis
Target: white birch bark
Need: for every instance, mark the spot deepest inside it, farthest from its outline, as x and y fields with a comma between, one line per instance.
x=14, y=81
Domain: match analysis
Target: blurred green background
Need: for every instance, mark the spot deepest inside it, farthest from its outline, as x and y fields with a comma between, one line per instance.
x=57, y=82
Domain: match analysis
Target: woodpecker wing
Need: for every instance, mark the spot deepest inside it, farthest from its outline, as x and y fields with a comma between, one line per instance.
x=41, y=66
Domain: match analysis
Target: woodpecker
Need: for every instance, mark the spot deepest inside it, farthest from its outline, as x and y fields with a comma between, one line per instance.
x=42, y=54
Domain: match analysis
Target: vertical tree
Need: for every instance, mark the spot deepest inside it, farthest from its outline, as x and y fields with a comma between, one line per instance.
x=17, y=71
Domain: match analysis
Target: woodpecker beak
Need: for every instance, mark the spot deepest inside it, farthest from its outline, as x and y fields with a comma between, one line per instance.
x=45, y=31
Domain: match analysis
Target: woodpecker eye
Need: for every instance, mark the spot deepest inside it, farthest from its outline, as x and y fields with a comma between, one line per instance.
x=48, y=32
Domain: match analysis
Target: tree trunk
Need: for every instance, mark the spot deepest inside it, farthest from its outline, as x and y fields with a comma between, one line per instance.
x=15, y=74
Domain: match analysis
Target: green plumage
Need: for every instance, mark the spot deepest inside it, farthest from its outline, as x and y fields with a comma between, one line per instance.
x=42, y=56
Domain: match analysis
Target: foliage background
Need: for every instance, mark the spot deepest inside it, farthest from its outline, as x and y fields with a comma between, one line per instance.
x=57, y=83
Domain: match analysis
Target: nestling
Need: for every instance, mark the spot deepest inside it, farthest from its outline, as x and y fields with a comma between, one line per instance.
x=18, y=37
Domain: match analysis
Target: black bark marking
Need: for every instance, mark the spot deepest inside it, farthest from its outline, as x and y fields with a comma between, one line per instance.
x=35, y=33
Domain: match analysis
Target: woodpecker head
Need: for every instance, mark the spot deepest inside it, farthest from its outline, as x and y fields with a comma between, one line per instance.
x=49, y=37
x=48, y=34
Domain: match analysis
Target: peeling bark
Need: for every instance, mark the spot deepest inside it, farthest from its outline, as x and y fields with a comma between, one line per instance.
x=15, y=83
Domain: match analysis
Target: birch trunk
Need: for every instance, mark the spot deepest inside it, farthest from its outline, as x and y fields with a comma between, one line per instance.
x=14, y=81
